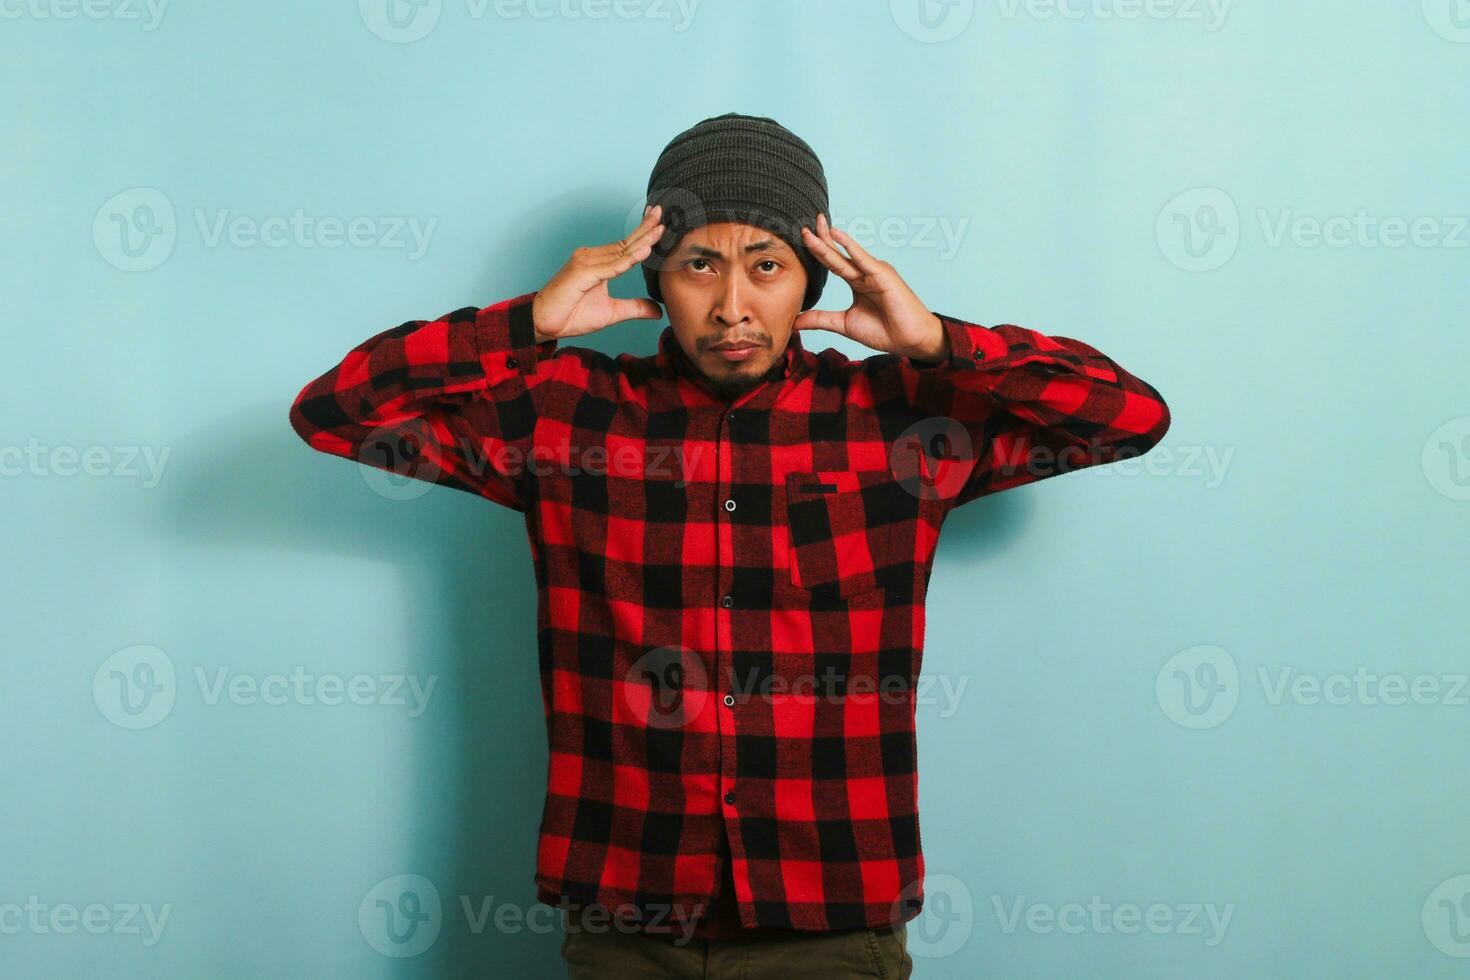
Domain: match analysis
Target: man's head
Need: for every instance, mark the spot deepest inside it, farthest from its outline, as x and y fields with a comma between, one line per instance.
x=732, y=291
x=731, y=266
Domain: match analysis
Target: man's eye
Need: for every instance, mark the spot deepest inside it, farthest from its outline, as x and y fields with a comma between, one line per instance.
x=772, y=262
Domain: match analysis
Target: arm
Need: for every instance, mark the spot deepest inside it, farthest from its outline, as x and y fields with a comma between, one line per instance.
x=452, y=401
x=1034, y=405
x=457, y=399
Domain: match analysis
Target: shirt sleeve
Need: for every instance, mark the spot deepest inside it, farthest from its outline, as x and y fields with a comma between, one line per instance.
x=1033, y=405
x=452, y=401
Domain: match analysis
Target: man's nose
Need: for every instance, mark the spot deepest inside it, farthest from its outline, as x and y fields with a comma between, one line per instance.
x=731, y=307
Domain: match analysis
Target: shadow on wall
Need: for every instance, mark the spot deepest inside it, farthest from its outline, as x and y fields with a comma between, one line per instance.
x=467, y=574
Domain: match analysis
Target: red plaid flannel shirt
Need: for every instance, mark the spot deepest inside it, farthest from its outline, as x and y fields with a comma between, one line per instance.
x=731, y=593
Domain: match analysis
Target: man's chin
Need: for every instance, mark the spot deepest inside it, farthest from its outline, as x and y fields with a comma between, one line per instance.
x=735, y=379
x=725, y=370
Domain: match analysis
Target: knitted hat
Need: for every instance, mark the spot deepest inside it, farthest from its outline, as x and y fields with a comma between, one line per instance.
x=748, y=169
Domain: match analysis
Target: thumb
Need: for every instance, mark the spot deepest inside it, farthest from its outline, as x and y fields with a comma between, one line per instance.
x=833, y=320
x=635, y=309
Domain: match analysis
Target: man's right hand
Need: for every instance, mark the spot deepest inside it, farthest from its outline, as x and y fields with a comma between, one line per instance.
x=576, y=301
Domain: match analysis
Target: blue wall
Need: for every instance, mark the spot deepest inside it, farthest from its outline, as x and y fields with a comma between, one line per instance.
x=1197, y=717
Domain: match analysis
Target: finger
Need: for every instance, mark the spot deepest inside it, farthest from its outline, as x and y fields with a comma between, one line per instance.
x=860, y=256
x=640, y=237
x=650, y=221
x=824, y=231
x=822, y=320
x=829, y=256
x=635, y=309
x=613, y=265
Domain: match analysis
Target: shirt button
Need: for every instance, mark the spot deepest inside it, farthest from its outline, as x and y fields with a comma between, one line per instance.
x=510, y=362
x=730, y=798
x=729, y=700
x=727, y=601
x=979, y=354
x=731, y=416
x=729, y=504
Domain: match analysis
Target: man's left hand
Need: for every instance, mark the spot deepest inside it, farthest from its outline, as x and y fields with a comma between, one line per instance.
x=885, y=314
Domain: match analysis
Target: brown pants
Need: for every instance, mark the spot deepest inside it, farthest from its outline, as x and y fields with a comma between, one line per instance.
x=614, y=953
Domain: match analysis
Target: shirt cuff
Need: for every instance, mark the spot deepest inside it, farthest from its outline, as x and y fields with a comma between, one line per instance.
x=970, y=346
x=505, y=337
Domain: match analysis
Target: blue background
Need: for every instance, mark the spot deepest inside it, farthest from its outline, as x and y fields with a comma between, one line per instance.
x=1117, y=639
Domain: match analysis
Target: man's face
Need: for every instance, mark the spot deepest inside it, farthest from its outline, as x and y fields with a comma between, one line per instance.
x=732, y=284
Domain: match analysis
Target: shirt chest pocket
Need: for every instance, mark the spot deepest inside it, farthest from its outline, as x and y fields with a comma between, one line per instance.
x=841, y=527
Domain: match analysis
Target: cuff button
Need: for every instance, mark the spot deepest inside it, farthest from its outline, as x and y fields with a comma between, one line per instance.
x=510, y=362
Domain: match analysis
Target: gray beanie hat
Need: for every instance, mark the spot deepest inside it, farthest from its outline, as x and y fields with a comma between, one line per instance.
x=734, y=167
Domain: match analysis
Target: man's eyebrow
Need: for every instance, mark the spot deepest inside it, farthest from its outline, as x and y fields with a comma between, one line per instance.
x=764, y=245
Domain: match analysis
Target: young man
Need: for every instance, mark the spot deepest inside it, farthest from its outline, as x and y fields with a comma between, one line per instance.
x=732, y=542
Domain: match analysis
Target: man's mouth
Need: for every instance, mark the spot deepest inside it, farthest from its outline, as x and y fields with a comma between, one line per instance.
x=737, y=350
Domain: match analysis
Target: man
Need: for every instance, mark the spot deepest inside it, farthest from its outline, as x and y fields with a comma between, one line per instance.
x=732, y=541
